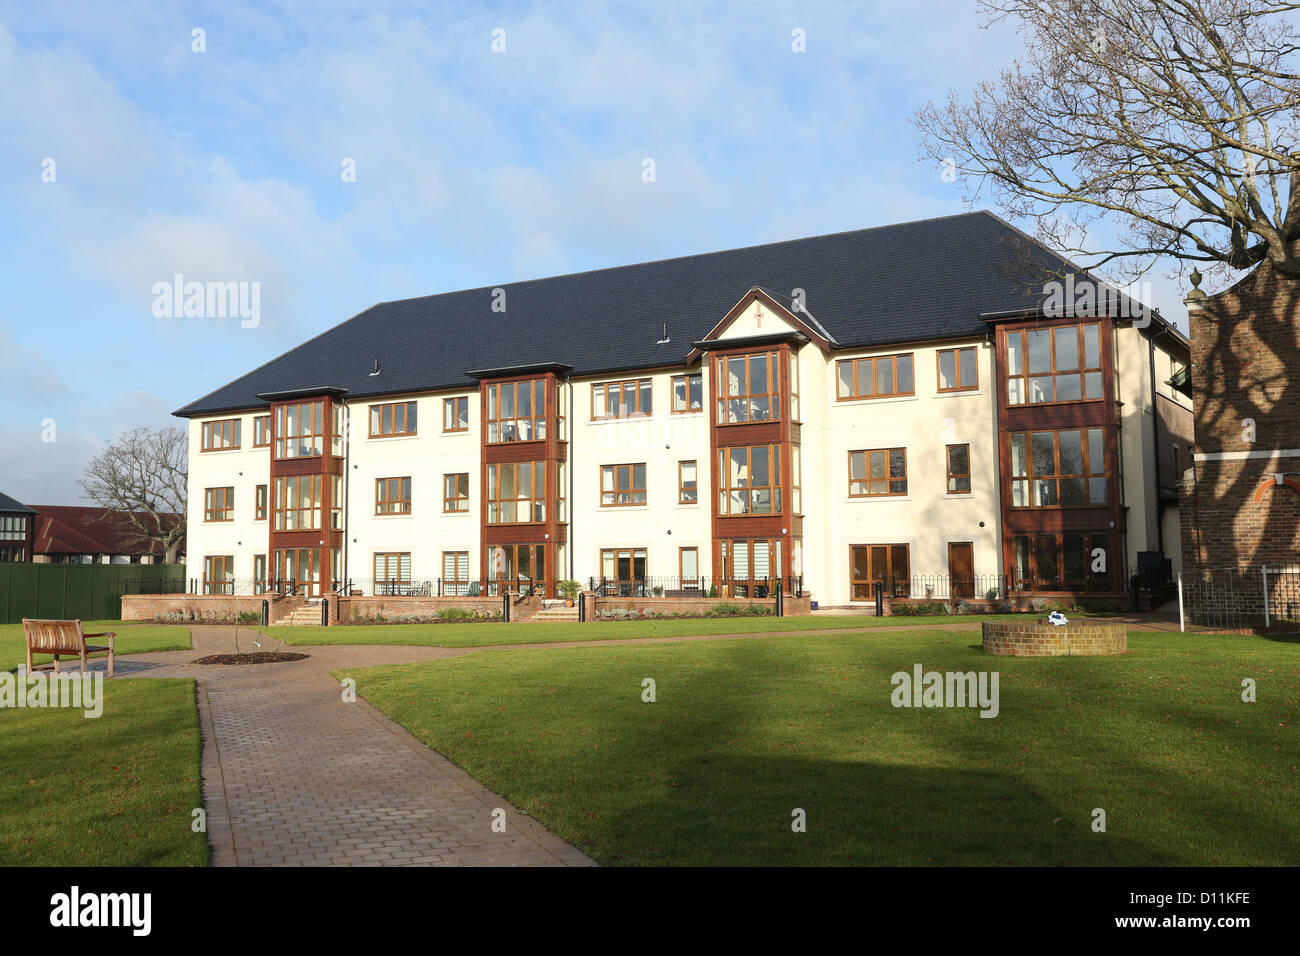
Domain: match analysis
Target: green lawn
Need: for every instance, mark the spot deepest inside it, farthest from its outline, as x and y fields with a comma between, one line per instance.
x=526, y=632
x=116, y=790
x=743, y=732
x=131, y=639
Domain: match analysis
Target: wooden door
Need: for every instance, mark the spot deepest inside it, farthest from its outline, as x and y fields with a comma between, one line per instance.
x=961, y=568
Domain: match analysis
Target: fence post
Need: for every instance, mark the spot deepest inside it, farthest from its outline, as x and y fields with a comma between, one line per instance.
x=582, y=606
x=266, y=612
x=324, y=612
x=1182, y=621
x=880, y=598
x=780, y=599
x=1264, y=570
x=505, y=605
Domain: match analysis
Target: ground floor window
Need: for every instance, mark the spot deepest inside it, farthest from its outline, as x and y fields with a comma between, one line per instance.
x=623, y=572
x=219, y=574
x=259, y=574
x=455, y=573
x=890, y=564
x=516, y=566
x=751, y=567
x=1063, y=562
x=392, y=572
x=298, y=569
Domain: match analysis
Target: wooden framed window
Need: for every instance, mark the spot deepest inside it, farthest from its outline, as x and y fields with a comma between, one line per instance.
x=393, y=419
x=455, y=492
x=299, y=566
x=259, y=574
x=749, y=388
x=889, y=564
x=1059, y=364
x=1063, y=562
x=219, y=504
x=336, y=502
x=455, y=414
x=300, y=430
x=622, y=485
x=877, y=472
x=882, y=376
x=958, y=369
x=259, y=513
x=628, y=399
x=392, y=569
x=262, y=431
x=517, y=566
x=516, y=492
x=455, y=573
x=1058, y=469
x=220, y=436
x=749, y=480
x=297, y=503
x=623, y=571
x=688, y=486
x=750, y=567
x=516, y=411
x=796, y=479
x=958, y=457
x=219, y=574
x=688, y=567
x=393, y=496
x=688, y=393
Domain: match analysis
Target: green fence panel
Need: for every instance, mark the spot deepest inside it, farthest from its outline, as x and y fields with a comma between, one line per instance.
x=87, y=591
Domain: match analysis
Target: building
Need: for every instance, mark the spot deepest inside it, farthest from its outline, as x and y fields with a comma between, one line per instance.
x=16, y=529
x=75, y=534
x=893, y=404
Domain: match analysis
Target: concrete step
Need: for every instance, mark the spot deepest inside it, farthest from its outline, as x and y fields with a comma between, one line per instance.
x=556, y=613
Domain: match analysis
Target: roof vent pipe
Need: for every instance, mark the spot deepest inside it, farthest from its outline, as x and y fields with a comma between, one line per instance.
x=665, y=340
x=376, y=371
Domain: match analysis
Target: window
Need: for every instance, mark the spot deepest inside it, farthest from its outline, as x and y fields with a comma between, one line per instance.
x=750, y=567
x=631, y=399
x=393, y=496
x=219, y=574
x=749, y=388
x=958, y=469
x=455, y=573
x=958, y=370
x=336, y=433
x=219, y=504
x=688, y=393
x=299, y=568
x=388, y=421
x=688, y=567
x=623, y=571
x=516, y=411
x=455, y=492
x=297, y=504
x=749, y=480
x=220, y=436
x=336, y=503
x=392, y=571
x=884, y=376
x=516, y=492
x=260, y=513
x=794, y=386
x=259, y=574
x=13, y=528
x=796, y=482
x=1061, y=364
x=561, y=484
x=300, y=430
x=688, y=489
x=622, y=485
x=518, y=566
x=887, y=563
x=878, y=472
x=1063, y=562
x=1058, y=469
x=262, y=434
x=455, y=414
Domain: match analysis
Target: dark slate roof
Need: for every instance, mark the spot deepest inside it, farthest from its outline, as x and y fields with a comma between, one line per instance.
x=909, y=282
x=13, y=506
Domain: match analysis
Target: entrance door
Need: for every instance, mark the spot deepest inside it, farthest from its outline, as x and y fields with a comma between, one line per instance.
x=961, y=568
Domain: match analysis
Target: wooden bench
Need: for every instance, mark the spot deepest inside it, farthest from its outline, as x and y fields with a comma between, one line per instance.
x=63, y=639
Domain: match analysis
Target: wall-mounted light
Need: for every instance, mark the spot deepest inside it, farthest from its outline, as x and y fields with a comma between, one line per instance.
x=1279, y=478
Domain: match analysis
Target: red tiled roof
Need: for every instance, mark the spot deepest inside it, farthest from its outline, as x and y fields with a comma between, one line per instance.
x=72, y=529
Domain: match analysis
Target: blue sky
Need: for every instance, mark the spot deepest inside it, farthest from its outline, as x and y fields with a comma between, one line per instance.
x=473, y=167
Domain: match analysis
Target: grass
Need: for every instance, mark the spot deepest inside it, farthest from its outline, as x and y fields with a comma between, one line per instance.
x=545, y=632
x=131, y=639
x=744, y=732
x=116, y=790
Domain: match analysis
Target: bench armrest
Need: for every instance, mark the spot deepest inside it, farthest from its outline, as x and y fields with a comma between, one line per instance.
x=102, y=634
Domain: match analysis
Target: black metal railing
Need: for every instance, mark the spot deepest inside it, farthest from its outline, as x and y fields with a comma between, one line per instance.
x=697, y=587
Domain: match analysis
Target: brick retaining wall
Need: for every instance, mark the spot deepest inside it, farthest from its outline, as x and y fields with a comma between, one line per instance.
x=345, y=609
x=1040, y=639
x=204, y=607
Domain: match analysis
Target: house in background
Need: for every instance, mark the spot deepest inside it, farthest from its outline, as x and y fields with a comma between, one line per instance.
x=895, y=405
x=73, y=534
x=17, y=525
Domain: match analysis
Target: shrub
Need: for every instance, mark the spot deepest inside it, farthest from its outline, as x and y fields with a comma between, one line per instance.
x=917, y=608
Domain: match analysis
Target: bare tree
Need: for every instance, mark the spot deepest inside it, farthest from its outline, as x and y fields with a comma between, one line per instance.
x=140, y=480
x=1175, y=117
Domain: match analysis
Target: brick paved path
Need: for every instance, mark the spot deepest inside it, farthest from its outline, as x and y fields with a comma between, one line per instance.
x=293, y=776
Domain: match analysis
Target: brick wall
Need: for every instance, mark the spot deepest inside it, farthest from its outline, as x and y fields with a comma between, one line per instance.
x=203, y=607
x=1039, y=639
x=344, y=610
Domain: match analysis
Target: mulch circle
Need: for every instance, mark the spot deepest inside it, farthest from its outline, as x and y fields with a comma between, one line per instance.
x=260, y=657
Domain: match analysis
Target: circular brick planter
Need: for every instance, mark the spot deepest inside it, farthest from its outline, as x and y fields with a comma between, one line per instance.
x=1041, y=639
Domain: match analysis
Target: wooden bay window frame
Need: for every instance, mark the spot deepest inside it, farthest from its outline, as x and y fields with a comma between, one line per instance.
x=1036, y=485
x=739, y=491
x=749, y=388
x=296, y=504
x=516, y=492
x=516, y=411
x=300, y=430
x=1058, y=363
